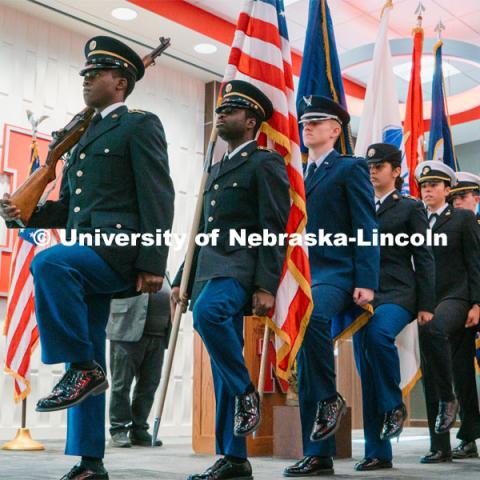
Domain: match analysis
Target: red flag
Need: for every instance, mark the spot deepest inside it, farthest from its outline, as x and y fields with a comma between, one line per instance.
x=261, y=55
x=413, y=127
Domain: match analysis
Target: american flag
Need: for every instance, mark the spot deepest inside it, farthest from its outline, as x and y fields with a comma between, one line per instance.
x=261, y=55
x=20, y=325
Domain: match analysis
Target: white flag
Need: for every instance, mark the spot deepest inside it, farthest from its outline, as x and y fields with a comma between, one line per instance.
x=381, y=121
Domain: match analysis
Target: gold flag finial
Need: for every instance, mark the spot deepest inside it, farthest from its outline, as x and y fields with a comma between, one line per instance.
x=388, y=4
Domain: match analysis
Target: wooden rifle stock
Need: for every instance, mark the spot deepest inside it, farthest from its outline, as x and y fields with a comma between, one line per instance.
x=27, y=196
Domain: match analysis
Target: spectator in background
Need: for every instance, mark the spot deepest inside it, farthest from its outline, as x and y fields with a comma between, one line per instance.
x=138, y=330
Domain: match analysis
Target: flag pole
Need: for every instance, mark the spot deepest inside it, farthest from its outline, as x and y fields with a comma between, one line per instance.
x=23, y=440
x=183, y=286
x=263, y=368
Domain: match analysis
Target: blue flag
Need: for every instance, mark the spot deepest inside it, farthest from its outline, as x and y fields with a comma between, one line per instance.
x=440, y=144
x=321, y=74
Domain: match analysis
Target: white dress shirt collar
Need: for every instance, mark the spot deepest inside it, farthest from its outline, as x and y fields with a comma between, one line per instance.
x=381, y=200
x=319, y=160
x=106, y=111
x=234, y=152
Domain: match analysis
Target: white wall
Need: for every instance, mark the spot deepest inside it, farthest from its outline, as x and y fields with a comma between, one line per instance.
x=39, y=64
x=468, y=156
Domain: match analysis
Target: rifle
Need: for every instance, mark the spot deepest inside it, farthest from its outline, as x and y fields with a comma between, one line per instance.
x=27, y=196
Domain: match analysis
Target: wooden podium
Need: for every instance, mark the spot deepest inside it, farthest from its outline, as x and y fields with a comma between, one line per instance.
x=203, y=438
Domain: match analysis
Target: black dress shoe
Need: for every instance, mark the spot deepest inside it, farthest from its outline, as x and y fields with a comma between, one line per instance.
x=247, y=414
x=224, y=469
x=327, y=420
x=372, y=464
x=447, y=414
x=78, y=472
x=465, y=450
x=393, y=423
x=120, y=440
x=437, y=457
x=74, y=387
x=142, y=438
x=310, y=467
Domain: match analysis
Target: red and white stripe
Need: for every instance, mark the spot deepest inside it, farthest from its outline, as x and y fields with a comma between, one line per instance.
x=262, y=57
x=21, y=326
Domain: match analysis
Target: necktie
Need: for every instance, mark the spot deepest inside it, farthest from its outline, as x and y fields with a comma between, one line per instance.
x=378, y=203
x=432, y=218
x=93, y=123
x=311, y=170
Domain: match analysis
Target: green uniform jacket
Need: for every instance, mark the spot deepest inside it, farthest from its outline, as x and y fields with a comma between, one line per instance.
x=250, y=191
x=117, y=180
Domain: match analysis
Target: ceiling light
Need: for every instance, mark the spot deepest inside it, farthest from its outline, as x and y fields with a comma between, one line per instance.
x=123, y=13
x=205, y=48
x=428, y=67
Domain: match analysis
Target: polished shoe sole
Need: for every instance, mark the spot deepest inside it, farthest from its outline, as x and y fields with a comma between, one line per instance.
x=99, y=389
x=233, y=478
x=246, y=434
x=464, y=456
x=341, y=414
x=327, y=471
x=371, y=469
x=391, y=437
x=430, y=462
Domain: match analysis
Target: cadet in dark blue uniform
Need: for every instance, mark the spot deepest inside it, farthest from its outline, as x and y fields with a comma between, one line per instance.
x=339, y=200
x=457, y=288
x=116, y=180
x=248, y=190
x=466, y=194
x=406, y=292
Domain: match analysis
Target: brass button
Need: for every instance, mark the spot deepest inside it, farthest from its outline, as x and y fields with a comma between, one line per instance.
x=244, y=154
x=79, y=173
x=118, y=225
x=212, y=203
x=210, y=219
x=235, y=184
x=82, y=156
x=216, y=186
x=76, y=209
x=107, y=150
x=78, y=191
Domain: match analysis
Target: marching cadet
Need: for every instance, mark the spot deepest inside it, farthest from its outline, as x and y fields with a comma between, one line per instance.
x=466, y=194
x=248, y=190
x=339, y=200
x=406, y=292
x=446, y=356
x=116, y=180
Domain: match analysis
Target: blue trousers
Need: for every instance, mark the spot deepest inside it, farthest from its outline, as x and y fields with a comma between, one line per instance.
x=378, y=364
x=316, y=363
x=218, y=318
x=73, y=288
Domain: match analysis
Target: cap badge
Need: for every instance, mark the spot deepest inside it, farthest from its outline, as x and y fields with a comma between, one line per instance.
x=425, y=170
x=228, y=88
x=92, y=45
x=371, y=152
x=308, y=100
